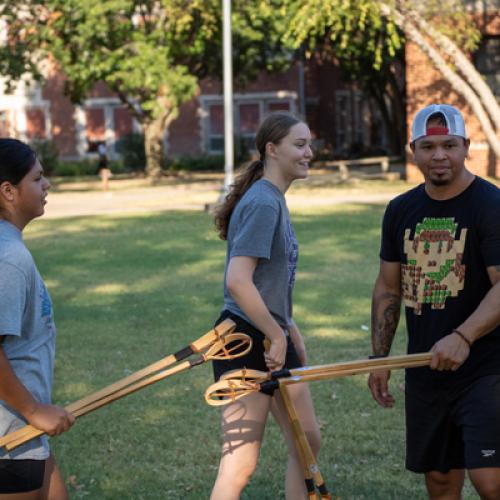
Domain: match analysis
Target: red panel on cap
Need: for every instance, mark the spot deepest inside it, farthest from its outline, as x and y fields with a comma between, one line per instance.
x=437, y=131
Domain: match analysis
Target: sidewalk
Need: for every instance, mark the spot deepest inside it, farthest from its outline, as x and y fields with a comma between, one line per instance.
x=129, y=201
x=132, y=197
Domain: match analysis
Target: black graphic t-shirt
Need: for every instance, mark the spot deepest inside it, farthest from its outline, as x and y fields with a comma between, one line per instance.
x=444, y=248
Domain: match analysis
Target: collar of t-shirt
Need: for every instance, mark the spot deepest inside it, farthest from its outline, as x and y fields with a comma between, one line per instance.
x=464, y=193
x=8, y=230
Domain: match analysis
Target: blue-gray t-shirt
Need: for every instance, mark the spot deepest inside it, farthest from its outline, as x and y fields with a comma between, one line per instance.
x=260, y=227
x=27, y=322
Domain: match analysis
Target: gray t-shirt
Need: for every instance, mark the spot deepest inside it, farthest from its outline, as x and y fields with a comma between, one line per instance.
x=260, y=227
x=26, y=320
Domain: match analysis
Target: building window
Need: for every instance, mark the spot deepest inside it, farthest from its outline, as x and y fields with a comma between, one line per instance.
x=123, y=124
x=35, y=124
x=249, y=110
x=249, y=120
x=94, y=128
x=359, y=136
x=342, y=120
x=216, y=128
x=4, y=124
x=352, y=122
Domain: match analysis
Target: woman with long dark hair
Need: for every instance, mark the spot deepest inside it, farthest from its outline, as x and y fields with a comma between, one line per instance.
x=262, y=254
x=27, y=335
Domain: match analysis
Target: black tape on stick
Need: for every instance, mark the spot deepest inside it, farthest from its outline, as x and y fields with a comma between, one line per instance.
x=183, y=353
x=269, y=387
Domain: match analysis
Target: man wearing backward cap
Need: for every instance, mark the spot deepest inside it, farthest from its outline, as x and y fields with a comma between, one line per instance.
x=440, y=255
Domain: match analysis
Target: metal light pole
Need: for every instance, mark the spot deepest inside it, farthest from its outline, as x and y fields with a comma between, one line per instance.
x=228, y=97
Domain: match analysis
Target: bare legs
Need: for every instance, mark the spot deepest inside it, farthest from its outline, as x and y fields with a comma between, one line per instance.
x=487, y=482
x=53, y=483
x=301, y=397
x=243, y=424
x=448, y=486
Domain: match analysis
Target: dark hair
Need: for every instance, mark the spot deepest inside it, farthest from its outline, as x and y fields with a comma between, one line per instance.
x=16, y=160
x=273, y=129
x=437, y=117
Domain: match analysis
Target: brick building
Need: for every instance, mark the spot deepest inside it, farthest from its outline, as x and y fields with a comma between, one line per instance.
x=338, y=113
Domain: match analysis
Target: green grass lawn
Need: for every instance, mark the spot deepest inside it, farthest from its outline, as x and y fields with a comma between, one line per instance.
x=130, y=290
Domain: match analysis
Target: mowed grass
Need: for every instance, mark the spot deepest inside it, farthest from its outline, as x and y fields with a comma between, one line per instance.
x=130, y=290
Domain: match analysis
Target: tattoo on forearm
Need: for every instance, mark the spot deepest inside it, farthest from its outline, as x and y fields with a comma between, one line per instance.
x=386, y=308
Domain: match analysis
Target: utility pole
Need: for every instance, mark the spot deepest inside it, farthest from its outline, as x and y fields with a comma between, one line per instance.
x=228, y=97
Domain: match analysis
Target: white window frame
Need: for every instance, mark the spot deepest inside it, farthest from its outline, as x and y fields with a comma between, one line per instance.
x=263, y=99
x=108, y=104
x=27, y=95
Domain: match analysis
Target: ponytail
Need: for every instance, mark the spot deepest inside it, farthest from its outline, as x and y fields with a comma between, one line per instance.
x=273, y=129
x=250, y=174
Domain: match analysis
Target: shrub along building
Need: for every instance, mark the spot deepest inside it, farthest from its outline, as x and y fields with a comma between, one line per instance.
x=345, y=122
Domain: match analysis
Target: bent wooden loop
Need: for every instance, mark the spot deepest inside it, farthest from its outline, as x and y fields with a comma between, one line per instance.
x=237, y=384
x=223, y=345
x=233, y=345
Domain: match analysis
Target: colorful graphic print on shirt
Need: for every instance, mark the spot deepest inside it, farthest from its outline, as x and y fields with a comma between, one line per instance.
x=46, y=306
x=434, y=270
x=292, y=248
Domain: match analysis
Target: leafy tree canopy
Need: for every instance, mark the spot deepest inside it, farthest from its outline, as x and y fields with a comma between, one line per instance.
x=151, y=53
x=358, y=29
x=148, y=51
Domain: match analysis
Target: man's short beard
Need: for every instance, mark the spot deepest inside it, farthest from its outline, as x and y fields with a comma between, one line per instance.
x=439, y=182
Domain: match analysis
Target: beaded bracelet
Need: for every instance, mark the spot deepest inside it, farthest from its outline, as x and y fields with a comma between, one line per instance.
x=460, y=334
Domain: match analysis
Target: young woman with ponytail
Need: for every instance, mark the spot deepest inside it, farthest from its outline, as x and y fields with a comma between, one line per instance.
x=261, y=259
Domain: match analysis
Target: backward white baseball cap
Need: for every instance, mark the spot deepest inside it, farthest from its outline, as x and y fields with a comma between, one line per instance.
x=455, y=124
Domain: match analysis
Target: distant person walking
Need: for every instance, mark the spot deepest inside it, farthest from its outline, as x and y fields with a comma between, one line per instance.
x=102, y=167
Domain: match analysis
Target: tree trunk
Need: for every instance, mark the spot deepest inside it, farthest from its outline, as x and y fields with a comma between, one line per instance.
x=377, y=91
x=154, y=131
x=456, y=82
x=398, y=109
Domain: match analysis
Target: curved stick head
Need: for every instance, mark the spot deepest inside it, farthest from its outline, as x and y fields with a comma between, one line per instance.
x=205, y=341
x=228, y=391
x=233, y=345
x=245, y=374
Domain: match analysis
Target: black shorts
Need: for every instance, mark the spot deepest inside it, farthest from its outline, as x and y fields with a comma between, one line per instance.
x=446, y=432
x=254, y=360
x=21, y=476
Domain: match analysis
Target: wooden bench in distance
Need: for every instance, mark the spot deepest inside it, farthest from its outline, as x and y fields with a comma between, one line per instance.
x=344, y=165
